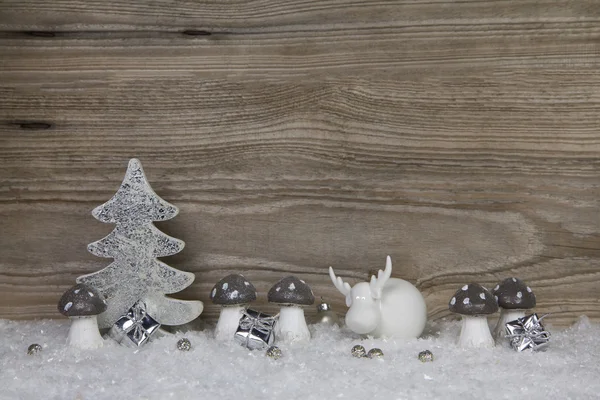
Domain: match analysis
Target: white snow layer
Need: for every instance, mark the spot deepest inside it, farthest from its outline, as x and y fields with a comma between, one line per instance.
x=322, y=369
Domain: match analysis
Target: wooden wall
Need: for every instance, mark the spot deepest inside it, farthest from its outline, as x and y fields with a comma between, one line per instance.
x=460, y=137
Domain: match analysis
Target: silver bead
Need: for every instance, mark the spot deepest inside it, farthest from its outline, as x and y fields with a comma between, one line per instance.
x=425, y=356
x=184, y=344
x=34, y=349
x=358, y=351
x=274, y=352
x=375, y=353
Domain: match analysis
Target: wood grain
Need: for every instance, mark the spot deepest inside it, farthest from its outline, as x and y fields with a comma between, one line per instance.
x=461, y=138
x=308, y=15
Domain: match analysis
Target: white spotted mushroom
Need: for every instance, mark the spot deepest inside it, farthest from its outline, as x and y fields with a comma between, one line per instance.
x=292, y=294
x=233, y=293
x=474, y=303
x=514, y=297
x=82, y=304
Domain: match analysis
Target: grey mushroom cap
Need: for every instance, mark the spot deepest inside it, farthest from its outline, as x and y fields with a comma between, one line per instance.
x=291, y=290
x=514, y=294
x=81, y=300
x=473, y=299
x=232, y=290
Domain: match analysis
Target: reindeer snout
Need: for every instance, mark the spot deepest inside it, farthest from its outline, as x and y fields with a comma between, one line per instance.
x=361, y=320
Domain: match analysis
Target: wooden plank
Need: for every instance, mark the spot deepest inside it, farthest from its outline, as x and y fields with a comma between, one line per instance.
x=491, y=123
x=310, y=15
x=394, y=51
x=459, y=137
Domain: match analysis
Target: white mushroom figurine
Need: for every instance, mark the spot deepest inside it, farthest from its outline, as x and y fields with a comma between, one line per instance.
x=292, y=294
x=82, y=304
x=514, y=297
x=474, y=303
x=232, y=293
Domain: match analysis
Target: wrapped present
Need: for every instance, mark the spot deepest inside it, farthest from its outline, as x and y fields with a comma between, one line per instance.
x=527, y=333
x=255, y=330
x=135, y=328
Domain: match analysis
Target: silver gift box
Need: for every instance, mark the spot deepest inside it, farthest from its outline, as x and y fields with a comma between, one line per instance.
x=527, y=333
x=255, y=330
x=135, y=328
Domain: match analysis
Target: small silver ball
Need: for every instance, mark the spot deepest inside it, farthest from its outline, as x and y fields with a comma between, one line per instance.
x=34, y=349
x=358, y=351
x=274, y=352
x=425, y=356
x=375, y=353
x=184, y=344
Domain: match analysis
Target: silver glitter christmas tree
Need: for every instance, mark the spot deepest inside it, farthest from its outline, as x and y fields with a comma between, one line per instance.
x=135, y=244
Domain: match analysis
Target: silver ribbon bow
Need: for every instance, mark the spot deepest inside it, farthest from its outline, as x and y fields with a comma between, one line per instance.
x=527, y=333
x=253, y=320
x=137, y=315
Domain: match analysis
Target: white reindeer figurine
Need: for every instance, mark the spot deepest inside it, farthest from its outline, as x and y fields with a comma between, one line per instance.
x=383, y=307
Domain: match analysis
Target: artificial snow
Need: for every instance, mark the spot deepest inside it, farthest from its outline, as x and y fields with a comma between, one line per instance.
x=322, y=369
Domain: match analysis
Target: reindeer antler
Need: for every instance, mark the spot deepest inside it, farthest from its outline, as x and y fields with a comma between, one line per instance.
x=382, y=277
x=343, y=287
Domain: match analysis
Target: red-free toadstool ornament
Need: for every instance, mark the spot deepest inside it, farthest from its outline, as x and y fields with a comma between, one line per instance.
x=82, y=304
x=474, y=303
x=233, y=293
x=292, y=294
x=514, y=297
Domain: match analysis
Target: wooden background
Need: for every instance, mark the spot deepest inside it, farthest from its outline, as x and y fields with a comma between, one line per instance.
x=460, y=137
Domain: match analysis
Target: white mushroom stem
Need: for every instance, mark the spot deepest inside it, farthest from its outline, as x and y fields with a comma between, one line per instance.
x=84, y=333
x=506, y=316
x=229, y=320
x=475, y=332
x=291, y=325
